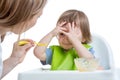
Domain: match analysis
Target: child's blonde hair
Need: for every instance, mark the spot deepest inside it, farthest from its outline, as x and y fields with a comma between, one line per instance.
x=80, y=20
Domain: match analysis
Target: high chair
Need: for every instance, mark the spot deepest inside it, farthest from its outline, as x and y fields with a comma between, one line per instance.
x=103, y=53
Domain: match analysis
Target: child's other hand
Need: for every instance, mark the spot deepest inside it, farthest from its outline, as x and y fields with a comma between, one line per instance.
x=58, y=28
x=73, y=32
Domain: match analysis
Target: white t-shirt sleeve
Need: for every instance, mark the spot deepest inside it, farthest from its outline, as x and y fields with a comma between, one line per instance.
x=1, y=64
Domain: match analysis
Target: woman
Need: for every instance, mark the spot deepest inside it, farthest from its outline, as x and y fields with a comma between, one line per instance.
x=17, y=16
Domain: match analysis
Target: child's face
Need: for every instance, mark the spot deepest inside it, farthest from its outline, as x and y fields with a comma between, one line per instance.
x=64, y=40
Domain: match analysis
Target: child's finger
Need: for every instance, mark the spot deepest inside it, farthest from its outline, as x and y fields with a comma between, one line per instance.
x=73, y=24
x=61, y=24
x=63, y=29
x=63, y=32
x=69, y=26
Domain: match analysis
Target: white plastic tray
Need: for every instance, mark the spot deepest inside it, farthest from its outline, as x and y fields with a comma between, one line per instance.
x=39, y=74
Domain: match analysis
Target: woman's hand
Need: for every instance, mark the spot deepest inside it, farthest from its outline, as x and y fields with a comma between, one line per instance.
x=19, y=52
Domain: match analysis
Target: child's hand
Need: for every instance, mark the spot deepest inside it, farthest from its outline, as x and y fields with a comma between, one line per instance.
x=73, y=32
x=58, y=28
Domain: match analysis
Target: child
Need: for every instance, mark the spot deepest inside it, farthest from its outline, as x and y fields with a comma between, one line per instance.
x=73, y=34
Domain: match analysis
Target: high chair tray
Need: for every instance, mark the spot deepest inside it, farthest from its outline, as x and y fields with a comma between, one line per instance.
x=40, y=74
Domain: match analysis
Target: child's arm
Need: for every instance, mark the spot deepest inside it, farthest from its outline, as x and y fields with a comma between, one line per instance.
x=81, y=50
x=39, y=51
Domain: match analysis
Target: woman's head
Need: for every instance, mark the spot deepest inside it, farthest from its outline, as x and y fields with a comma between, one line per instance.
x=80, y=20
x=20, y=12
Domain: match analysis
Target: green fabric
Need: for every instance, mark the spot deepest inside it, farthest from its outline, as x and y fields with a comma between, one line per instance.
x=64, y=60
x=87, y=46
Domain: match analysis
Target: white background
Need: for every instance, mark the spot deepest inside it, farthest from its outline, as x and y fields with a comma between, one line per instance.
x=104, y=18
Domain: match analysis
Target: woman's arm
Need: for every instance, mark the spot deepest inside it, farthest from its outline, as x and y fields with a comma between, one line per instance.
x=8, y=65
x=17, y=56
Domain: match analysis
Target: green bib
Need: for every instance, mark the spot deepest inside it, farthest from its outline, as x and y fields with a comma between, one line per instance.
x=64, y=60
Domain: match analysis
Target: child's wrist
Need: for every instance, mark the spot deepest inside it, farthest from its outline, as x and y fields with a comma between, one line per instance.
x=52, y=33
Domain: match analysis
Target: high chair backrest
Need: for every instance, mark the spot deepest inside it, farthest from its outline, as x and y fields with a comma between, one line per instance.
x=102, y=51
